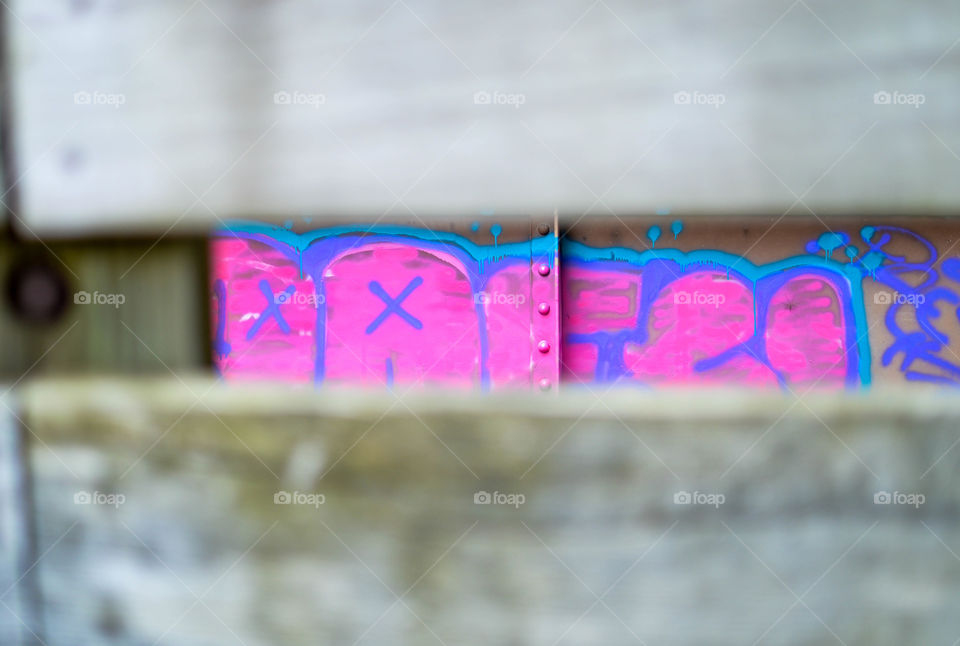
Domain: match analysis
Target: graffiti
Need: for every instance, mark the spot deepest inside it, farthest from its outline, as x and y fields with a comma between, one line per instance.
x=913, y=306
x=220, y=346
x=668, y=316
x=395, y=305
x=382, y=305
x=272, y=309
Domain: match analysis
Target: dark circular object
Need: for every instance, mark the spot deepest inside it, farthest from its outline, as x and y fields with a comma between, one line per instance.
x=543, y=229
x=36, y=291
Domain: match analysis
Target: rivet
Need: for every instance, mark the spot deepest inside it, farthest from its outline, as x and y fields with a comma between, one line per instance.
x=544, y=308
x=543, y=229
x=544, y=384
x=543, y=269
x=544, y=347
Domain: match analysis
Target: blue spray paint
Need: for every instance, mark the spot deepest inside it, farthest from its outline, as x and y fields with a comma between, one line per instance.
x=920, y=347
x=395, y=305
x=676, y=227
x=389, y=372
x=272, y=310
x=654, y=234
x=220, y=346
x=829, y=241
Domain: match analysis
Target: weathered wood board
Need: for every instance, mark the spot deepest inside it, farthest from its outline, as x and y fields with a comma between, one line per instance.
x=190, y=513
x=182, y=112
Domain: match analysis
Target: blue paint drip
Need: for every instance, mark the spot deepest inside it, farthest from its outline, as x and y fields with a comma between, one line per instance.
x=872, y=261
x=676, y=227
x=654, y=234
x=389, y=372
x=496, y=230
x=829, y=241
x=475, y=226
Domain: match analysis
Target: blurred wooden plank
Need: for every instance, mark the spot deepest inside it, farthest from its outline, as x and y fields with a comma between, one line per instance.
x=138, y=116
x=19, y=620
x=198, y=518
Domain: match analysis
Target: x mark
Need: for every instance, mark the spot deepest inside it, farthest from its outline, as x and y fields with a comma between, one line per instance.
x=394, y=305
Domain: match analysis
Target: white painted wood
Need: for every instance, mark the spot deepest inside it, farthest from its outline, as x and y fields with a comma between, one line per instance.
x=198, y=131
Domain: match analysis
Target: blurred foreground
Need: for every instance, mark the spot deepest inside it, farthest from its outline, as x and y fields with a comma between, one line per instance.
x=190, y=513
